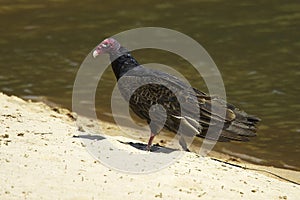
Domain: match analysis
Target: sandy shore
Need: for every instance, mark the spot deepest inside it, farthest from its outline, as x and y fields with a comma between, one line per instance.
x=41, y=159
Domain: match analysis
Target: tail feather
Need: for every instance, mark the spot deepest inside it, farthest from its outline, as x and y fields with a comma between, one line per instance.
x=235, y=124
x=233, y=136
x=243, y=124
x=239, y=129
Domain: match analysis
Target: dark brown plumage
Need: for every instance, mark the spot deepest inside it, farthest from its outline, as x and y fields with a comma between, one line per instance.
x=180, y=104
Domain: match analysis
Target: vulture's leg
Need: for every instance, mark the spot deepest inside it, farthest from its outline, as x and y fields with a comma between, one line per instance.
x=183, y=144
x=158, y=116
x=148, y=148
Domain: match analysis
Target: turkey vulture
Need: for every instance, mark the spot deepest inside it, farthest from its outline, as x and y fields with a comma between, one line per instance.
x=146, y=88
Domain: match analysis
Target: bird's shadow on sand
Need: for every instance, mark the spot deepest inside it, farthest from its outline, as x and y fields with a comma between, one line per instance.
x=140, y=146
x=90, y=137
x=154, y=148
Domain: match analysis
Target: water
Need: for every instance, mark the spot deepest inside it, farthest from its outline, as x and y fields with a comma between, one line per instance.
x=255, y=44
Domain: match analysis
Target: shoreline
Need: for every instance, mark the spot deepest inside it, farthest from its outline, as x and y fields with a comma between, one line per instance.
x=41, y=159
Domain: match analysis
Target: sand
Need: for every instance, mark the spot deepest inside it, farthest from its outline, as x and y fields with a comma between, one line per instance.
x=41, y=159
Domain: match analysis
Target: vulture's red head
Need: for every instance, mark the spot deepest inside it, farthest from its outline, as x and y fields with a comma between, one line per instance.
x=108, y=45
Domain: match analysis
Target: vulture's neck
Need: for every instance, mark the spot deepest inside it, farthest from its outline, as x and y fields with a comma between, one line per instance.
x=122, y=62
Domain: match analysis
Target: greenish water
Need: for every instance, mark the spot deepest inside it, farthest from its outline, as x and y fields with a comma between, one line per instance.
x=255, y=44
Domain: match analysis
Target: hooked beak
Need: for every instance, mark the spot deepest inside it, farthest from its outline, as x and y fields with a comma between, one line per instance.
x=96, y=52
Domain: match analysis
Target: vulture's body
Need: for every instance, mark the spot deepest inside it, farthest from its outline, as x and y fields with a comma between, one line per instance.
x=183, y=109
